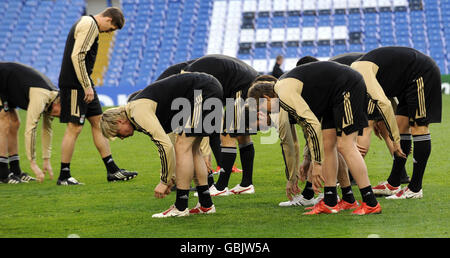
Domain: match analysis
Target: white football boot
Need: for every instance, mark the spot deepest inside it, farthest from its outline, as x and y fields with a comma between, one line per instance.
x=405, y=193
x=172, y=212
x=385, y=188
x=214, y=192
x=298, y=200
x=238, y=189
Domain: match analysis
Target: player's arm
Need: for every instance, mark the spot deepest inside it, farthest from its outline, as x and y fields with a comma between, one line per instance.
x=289, y=146
x=384, y=106
x=151, y=126
x=47, y=135
x=304, y=167
x=292, y=101
x=38, y=101
x=376, y=93
x=85, y=34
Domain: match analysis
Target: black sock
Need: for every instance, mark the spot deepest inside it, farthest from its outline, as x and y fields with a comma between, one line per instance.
x=330, y=196
x=182, y=199
x=4, y=170
x=228, y=159
x=247, y=155
x=398, y=165
x=422, y=150
x=308, y=192
x=210, y=179
x=347, y=194
x=203, y=196
x=65, y=171
x=404, y=174
x=110, y=165
x=368, y=197
x=14, y=165
x=214, y=143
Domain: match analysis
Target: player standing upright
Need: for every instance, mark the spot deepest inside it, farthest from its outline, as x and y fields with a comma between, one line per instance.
x=79, y=100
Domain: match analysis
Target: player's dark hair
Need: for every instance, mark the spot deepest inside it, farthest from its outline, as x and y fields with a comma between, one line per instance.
x=259, y=89
x=116, y=15
x=306, y=59
x=266, y=78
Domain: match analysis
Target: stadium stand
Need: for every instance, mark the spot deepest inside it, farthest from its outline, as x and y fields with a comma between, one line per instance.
x=159, y=33
x=34, y=32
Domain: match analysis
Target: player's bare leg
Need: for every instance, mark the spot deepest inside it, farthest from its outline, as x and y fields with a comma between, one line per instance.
x=329, y=171
x=13, y=151
x=101, y=143
x=330, y=166
x=363, y=141
x=68, y=142
x=114, y=173
x=348, y=199
x=355, y=162
x=205, y=204
x=200, y=168
x=4, y=134
x=68, y=146
x=342, y=175
x=13, y=146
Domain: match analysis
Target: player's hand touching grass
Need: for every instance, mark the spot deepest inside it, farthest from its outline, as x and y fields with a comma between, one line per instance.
x=292, y=189
x=48, y=168
x=37, y=171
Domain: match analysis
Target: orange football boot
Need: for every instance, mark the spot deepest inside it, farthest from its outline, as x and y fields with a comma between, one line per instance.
x=365, y=209
x=321, y=207
x=343, y=205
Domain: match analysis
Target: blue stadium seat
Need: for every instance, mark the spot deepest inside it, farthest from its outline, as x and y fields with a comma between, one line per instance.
x=159, y=33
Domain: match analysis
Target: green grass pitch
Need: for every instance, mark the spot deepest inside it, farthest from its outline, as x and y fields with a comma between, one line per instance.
x=124, y=209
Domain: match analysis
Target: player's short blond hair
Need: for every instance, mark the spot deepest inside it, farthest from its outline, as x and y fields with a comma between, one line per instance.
x=109, y=121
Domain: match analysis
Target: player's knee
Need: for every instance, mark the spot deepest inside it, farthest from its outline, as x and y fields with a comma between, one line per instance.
x=4, y=123
x=228, y=141
x=329, y=145
x=183, y=145
x=244, y=139
x=419, y=130
x=196, y=145
x=344, y=147
x=74, y=128
x=14, y=124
